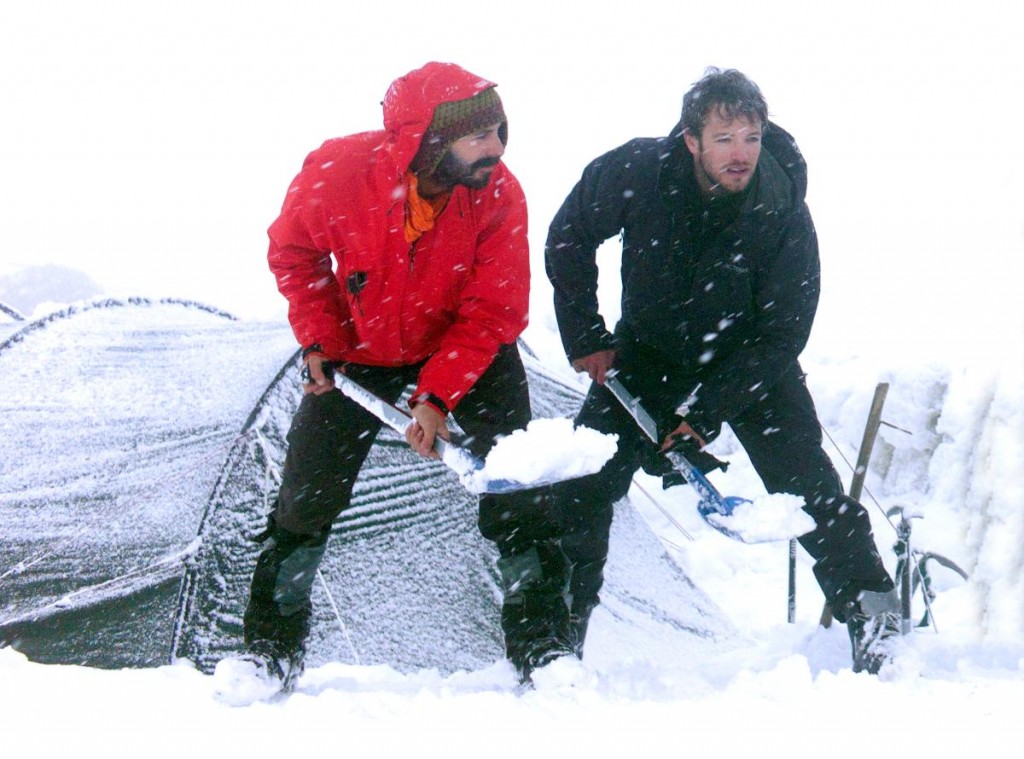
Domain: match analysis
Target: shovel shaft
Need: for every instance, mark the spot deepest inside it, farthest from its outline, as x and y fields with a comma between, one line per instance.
x=711, y=502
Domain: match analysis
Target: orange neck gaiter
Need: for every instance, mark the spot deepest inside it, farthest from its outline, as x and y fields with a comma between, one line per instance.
x=420, y=213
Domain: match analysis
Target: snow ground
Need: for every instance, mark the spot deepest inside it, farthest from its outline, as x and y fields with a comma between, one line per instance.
x=785, y=687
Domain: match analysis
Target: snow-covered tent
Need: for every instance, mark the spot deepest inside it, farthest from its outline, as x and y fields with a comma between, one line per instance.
x=140, y=450
x=9, y=313
x=115, y=418
x=11, y=319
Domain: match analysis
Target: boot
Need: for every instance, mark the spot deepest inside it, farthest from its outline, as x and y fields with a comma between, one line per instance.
x=873, y=622
x=535, y=612
x=277, y=619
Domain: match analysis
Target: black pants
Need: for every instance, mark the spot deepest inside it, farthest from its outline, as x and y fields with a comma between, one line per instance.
x=330, y=438
x=782, y=437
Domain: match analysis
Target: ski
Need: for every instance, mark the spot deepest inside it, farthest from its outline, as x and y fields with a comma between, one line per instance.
x=711, y=503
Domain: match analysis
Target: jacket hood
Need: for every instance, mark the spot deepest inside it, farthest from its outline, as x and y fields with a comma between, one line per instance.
x=411, y=99
x=780, y=159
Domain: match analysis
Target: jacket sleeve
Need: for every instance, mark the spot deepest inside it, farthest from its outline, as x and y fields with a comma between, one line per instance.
x=493, y=307
x=300, y=259
x=593, y=212
x=786, y=290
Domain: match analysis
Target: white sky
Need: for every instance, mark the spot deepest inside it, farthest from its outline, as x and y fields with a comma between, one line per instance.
x=150, y=144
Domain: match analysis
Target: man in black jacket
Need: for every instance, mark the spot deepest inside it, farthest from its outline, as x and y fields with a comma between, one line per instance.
x=720, y=283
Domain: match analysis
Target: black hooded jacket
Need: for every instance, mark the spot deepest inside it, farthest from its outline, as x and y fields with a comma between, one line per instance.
x=723, y=291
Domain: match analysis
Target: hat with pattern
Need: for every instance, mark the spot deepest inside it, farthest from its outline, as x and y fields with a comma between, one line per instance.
x=454, y=120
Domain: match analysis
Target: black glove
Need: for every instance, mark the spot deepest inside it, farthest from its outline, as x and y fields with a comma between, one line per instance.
x=659, y=466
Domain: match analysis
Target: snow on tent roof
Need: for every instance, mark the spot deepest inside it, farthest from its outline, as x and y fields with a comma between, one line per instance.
x=141, y=447
x=116, y=419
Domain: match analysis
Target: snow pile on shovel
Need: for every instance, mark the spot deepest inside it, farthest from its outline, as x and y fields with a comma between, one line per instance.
x=767, y=518
x=548, y=450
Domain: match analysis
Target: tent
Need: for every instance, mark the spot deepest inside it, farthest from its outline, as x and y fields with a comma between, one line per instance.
x=141, y=449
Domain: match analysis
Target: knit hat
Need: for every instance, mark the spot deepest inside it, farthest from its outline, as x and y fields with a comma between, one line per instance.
x=454, y=120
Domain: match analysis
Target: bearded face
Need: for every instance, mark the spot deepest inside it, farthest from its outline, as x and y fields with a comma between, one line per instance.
x=470, y=161
x=454, y=171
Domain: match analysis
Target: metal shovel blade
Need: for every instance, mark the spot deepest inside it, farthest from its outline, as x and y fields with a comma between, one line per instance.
x=712, y=506
x=468, y=467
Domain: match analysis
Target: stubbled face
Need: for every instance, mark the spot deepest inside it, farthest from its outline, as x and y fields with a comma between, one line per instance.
x=725, y=154
x=470, y=161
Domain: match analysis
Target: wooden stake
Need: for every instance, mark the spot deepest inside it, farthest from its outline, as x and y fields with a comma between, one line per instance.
x=860, y=472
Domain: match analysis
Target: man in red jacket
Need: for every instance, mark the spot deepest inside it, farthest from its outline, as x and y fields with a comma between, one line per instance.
x=403, y=255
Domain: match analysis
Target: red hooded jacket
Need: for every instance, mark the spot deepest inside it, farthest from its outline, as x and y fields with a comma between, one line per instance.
x=452, y=297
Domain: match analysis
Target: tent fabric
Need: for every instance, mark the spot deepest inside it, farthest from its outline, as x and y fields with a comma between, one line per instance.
x=130, y=492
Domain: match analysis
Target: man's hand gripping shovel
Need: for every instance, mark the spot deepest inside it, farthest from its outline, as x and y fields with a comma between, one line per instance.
x=469, y=468
x=713, y=507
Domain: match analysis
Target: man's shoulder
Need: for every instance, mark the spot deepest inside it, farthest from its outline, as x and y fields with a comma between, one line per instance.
x=636, y=161
x=504, y=181
x=351, y=152
x=501, y=201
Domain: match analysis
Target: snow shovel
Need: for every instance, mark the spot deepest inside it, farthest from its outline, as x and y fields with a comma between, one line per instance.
x=712, y=504
x=469, y=468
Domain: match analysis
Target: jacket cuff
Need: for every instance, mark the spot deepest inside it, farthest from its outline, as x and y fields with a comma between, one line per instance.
x=431, y=400
x=589, y=344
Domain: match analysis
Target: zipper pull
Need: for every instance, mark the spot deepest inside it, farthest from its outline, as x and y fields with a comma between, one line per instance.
x=355, y=282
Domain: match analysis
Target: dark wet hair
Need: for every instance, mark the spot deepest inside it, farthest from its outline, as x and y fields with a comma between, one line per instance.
x=730, y=91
